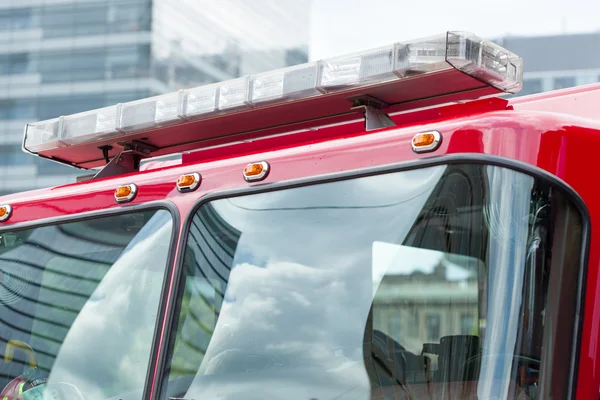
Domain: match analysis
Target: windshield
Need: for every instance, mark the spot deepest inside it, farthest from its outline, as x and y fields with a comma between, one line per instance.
x=78, y=305
x=447, y=282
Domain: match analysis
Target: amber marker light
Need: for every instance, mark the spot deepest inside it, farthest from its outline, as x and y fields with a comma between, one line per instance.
x=426, y=141
x=125, y=193
x=5, y=212
x=189, y=182
x=256, y=171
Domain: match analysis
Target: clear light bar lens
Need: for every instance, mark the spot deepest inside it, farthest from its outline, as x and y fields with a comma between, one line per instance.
x=149, y=113
x=233, y=93
x=419, y=57
x=482, y=59
x=90, y=125
x=466, y=52
x=44, y=135
x=485, y=60
x=358, y=69
x=285, y=84
x=200, y=101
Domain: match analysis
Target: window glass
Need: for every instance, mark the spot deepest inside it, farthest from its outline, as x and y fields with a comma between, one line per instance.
x=15, y=19
x=531, y=86
x=94, y=19
x=17, y=109
x=52, y=168
x=134, y=17
x=467, y=324
x=50, y=107
x=67, y=66
x=564, y=82
x=432, y=325
x=78, y=305
x=296, y=56
x=14, y=63
x=58, y=21
x=443, y=282
x=13, y=155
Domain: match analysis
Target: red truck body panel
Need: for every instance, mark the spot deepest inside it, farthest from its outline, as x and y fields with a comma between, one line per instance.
x=558, y=132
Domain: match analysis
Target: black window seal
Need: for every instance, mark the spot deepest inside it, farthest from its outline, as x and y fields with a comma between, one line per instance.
x=447, y=159
x=112, y=212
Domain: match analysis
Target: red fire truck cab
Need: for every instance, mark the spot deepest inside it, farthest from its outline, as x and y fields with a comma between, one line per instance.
x=382, y=225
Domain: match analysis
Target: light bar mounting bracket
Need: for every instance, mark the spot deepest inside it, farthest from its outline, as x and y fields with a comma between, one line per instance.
x=371, y=108
x=127, y=161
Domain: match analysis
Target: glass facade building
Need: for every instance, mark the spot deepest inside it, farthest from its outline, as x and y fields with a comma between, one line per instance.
x=60, y=57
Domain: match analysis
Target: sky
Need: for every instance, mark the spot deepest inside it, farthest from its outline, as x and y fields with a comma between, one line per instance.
x=340, y=27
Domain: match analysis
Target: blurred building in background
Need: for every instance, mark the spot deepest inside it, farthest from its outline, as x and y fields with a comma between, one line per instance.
x=60, y=57
x=556, y=62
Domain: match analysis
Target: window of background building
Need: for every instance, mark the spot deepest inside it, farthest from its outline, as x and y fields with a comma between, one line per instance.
x=395, y=327
x=467, y=324
x=129, y=61
x=564, y=82
x=115, y=62
x=295, y=56
x=22, y=109
x=18, y=63
x=91, y=19
x=531, y=86
x=80, y=65
x=432, y=326
x=16, y=18
x=88, y=65
x=52, y=107
x=96, y=19
x=15, y=63
x=51, y=168
x=413, y=327
x=57, y=20
x=12, y=109
x=4, y=64
x=55, y=66
x=13, y=155
x=130, y=16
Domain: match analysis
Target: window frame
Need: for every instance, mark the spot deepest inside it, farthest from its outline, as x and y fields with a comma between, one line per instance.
x=448, y=159
x=115, y=212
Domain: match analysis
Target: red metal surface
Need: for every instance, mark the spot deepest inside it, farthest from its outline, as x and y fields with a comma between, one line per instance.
x=581, y=101
x=563, y=145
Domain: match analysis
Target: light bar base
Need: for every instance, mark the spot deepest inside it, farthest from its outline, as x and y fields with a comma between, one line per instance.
x=128, y=161
x=371, y=109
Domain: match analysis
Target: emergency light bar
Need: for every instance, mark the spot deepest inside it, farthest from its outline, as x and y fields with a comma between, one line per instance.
x=450, y=67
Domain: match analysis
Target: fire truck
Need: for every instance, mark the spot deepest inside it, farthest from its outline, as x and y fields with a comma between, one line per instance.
x=389, y=224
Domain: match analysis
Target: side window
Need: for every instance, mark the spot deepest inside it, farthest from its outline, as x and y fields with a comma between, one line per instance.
x=453, y=281
x=78, y=305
